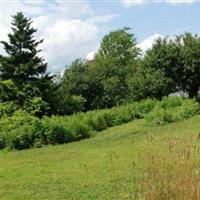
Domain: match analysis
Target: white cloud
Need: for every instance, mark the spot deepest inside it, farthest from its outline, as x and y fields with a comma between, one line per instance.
x=129, y=3
x=90, y=55
x=148, y=42
x=68, y=39
x=180, y=1
x=70, y=29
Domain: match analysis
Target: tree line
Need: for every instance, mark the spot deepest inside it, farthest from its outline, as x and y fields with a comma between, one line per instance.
x=118, y=73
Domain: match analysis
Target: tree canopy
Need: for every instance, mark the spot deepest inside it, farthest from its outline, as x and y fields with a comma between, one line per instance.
x=117, y=74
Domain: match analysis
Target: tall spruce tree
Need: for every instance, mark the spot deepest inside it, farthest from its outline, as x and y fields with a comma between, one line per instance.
x=22, y=67
x=22, y=61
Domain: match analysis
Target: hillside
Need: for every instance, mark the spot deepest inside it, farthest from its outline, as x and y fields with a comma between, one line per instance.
x=122, y=162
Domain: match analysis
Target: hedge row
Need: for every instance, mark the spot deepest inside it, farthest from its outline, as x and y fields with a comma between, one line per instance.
x=22, y=130
x=162, y=114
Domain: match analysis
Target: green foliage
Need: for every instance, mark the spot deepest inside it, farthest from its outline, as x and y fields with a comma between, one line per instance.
x=81, y=129
x=116, y=76
x=172, y=109
x=72, y=93
x=56, y=131
x=22, y=61
x=179, y=60
x=7, y=108
x=102, y=82
x=22, y=71
x=19, y=130
x=116, y=59
x=148, y=83
x=159, y=116
x=70, y=104
x=97, y=120
x=8, y=90
x=24, y=131
x=120, y=47
x=164, y=56
x=36, y=106
x=171, y=102
x=190, y=72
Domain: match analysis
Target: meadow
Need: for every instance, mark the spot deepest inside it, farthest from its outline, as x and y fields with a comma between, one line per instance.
x=129, y=161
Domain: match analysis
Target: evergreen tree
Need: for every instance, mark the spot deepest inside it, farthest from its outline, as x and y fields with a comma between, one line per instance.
x=22, y=61
x=22, y=67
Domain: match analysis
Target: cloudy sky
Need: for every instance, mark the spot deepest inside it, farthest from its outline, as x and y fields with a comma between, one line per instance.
x=74, y=28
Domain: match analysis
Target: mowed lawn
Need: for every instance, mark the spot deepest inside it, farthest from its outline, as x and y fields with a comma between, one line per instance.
x=107, y=166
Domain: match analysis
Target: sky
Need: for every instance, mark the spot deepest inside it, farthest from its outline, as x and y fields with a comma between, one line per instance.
x=74, y=29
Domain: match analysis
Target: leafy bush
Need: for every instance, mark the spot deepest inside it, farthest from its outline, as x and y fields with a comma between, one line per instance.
x=97, y=121
x=36, y=106
x=171, y=110
x=171, y=102
x=56, y=130
x=81, y=129
x=19, y=130
x=23, y=130
x=7, y=108
x=159, y=116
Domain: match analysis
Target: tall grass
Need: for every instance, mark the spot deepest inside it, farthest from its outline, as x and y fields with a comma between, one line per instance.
x=172, y=173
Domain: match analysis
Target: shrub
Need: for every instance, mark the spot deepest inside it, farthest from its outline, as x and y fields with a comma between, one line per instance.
x=159, y=116
x=18, y=131
x=171, y=102
x=36, y=106
x=7, y=108
x=96, y=120
x=144, y=107
x=56, y=131
x=2, y=141
x=20, y=138
x=81, y=130
x=168, y=111
x=56, y=135
x=23, y=130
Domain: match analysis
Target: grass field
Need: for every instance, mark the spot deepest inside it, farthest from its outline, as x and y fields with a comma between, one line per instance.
x=130, y=161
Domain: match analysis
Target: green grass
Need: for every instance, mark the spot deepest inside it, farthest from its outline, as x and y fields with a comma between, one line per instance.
x=109, y=166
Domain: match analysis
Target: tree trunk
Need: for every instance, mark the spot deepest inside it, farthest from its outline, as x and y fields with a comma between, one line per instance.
x=193, y=92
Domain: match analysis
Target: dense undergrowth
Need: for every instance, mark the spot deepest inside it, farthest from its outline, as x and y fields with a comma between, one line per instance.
x=22, y=130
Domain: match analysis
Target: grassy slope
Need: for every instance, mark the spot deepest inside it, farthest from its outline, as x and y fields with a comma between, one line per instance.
x=107, y=166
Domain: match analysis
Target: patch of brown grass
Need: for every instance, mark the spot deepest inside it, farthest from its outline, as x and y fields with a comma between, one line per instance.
x=171, y=170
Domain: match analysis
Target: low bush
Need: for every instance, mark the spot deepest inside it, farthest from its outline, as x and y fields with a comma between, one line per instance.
x=171, y=102
x=96, y=120
x=7, y=109
x=19, y=130
x=159, y=116
x=23, y=130
x=166, y=111
x=56, y=130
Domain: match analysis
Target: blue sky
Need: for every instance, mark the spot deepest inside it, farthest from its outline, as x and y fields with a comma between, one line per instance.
x=148, y=19
x=74, y=29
